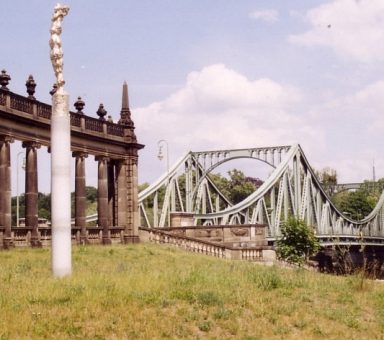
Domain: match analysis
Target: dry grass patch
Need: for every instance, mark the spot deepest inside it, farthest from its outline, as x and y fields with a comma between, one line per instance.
x=148, y=291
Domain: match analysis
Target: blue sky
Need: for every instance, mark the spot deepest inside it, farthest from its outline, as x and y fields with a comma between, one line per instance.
x=213, y=74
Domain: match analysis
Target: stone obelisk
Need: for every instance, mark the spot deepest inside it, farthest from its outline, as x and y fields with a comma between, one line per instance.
x=60, y=156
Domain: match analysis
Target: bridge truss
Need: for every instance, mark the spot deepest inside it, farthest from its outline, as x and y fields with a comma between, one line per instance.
x=292, y=189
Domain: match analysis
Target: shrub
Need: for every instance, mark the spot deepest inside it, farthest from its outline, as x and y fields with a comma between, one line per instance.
x=297, y=241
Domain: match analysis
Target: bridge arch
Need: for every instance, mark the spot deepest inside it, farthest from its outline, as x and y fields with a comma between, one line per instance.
x=221, y=162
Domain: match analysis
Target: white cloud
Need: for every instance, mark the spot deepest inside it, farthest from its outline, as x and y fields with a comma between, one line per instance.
x=354, y=29
x=219, y=108
x=266, y=15
x=353, y=127
x=364, y=107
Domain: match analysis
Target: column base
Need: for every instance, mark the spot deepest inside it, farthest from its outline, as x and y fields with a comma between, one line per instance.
x=84, y=240
x=106, y=240
x=8, y=243
x=35, y=242
x=127, y=239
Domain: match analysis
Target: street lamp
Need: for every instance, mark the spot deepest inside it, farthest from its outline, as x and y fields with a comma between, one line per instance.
x=160, y=156
x=17, y=186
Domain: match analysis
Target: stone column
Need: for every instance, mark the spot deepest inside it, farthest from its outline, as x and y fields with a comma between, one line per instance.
x=135, y=199
x=80, y=195
x=111, y=193
x=61, y=185
x=60, y=156
x=6, y=192
x=131, y=233
x=102, y=197
x=31, y=191
x=128, y=190
x=121, y=175
x=2, y=191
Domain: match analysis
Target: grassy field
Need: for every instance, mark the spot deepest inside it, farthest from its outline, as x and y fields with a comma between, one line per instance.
x=148, y=291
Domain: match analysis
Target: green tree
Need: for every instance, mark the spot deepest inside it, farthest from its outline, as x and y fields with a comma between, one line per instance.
x=143, y=186
x=237, y=187
x=221, y=183
x=91, y=194
x=328, y=178
x=240, y=187
x=297, y=241
x=44, y=205
x=21, y=208
x=372, y=190
x=356, y=204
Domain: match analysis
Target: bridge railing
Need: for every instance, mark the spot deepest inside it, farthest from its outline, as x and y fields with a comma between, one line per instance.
x=350, y=240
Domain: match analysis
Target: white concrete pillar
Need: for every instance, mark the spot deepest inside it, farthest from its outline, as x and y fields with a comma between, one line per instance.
x=61, y=184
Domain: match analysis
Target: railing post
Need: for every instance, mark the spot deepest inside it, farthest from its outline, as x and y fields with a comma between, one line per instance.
x=8, y=99
x=34, y=109
x=82, y=123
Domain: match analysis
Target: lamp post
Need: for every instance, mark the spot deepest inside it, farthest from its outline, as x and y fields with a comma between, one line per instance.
x=17, y=187
x=160, y=156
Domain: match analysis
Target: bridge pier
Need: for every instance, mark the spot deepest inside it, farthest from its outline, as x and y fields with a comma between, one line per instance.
x=345, y=259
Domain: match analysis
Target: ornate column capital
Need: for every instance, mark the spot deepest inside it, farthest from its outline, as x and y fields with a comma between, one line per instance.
x=131, y=159
x=6, y=139
x=79, y=154
x=135, y=160
x=123, y=161
x=31, y=144
x=102, y=158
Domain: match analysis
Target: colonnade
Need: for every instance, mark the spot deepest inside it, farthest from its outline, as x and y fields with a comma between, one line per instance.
x=114, y=146
x=116, y=200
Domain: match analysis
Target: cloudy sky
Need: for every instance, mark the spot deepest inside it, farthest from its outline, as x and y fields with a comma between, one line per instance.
x=215, y=74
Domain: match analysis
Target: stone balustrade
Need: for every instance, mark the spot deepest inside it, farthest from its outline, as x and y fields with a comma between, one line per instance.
x=41, y=110
x=94, y=235
x=254, y=234
x=160, y=236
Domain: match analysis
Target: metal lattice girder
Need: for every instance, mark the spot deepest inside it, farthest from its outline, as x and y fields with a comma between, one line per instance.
x=300, y=194
x=291, y=189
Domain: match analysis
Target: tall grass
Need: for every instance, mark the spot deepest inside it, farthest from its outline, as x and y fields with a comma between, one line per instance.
x=148, y=291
